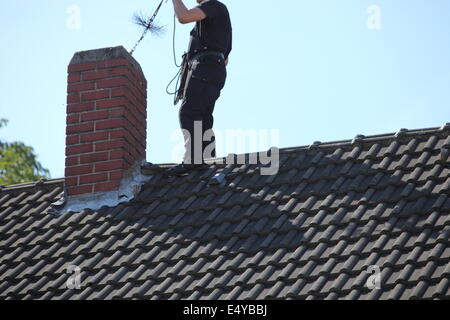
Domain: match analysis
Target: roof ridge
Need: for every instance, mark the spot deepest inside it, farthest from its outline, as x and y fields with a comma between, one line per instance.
x=26, y=185
x=338, y=143
x=360, y=138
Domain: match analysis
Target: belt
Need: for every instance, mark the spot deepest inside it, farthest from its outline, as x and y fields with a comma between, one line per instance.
x=207, y=53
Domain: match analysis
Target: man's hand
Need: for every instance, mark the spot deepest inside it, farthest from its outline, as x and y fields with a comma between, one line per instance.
x=226, y=62
x=185, y=15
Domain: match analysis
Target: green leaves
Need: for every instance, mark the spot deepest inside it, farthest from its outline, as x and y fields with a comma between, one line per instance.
x=18, y=163
x=3, y=123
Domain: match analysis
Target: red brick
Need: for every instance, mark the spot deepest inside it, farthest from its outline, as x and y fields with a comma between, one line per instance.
x=92, y=178
x=95, y=75
x=84, y=127
x=75, y=191
x=83, y=86
x=139, y=111
x=72, y=161
x=94, y=136
x=133, y=136
x=113, y=63
x=79, y=170
x=120, y=71
x=137, y=89
x=82, y=148
x=74, y=77
x=95, y=115
x=71, y=140
x=80, y=107
x=130, y=160
x=119, y=112
x=109, y=145
x=110, y=83
x=109, y=165
x=123, y=71
x=82, y=67
x=138, y=80
x=117, y=102
x=107, y=186
x=133, y=126
x=94, y=157
x=110, y=124
x=71, y=181
x=141, y=107
x=134, y=153
x=117, y=154
x=142, y=92
x=131, y=92
x=116, y=175
x=73, y=98
x=121, y=92
x=118, y=133
x=73, y=118
x=138, y=75
x=95, y=95
x=129, y=146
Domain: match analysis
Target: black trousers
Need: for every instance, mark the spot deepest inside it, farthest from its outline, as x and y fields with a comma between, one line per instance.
x=206, y=79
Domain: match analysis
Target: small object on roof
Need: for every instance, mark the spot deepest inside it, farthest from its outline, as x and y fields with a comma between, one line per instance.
x=149, y=169
x=445, y=152
x=183, y=169
x=40, y=182
x=136, y=190
x=401, y=133
x=315, y=145
x=61, y=201
x=358, y=138
x=56, y=206
x=445, y=127
x=218, y=179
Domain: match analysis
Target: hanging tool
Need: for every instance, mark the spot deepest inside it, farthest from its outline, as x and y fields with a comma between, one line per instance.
x=148, y=24
x=181, y=76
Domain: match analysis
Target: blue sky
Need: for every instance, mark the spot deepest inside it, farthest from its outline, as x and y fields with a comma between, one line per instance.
x=311, y=69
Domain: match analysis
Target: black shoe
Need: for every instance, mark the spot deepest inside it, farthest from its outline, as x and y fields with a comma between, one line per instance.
x=183, y=168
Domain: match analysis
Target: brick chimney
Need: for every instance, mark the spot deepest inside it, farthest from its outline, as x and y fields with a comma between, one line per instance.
x=106, y=120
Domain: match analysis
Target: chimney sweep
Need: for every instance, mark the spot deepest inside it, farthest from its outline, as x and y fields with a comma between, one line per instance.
x=203, y=79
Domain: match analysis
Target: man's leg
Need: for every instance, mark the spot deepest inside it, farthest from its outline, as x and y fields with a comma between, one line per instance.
x=209, y=138
x=196, y=117
x=191, y=111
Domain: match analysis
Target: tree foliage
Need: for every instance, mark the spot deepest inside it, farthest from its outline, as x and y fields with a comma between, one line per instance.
x=18, y=163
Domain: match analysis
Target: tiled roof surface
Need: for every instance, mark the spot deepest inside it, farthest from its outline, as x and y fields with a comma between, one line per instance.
x=310, y=232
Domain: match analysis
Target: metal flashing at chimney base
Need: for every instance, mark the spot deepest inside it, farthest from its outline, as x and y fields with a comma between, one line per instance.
x=130, y=185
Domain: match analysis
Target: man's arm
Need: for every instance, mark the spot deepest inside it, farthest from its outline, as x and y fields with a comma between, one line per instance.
x=185, y=15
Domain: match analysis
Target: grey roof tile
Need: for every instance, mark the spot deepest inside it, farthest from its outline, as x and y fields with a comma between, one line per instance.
x=309, y=232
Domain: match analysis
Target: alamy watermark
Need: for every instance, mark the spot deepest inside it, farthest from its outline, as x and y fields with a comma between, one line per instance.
x=374, y=19
x=74, y=280
x=374, y=280
x=230, y=140
x=73, y=21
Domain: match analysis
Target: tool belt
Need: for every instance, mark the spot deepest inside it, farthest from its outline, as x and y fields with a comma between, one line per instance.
x=186, y=68
x=199, y=55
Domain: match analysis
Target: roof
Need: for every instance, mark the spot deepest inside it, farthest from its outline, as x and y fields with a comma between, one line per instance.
x=313, y=231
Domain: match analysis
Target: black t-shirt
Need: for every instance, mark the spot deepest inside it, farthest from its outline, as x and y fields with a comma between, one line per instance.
x=214, y=33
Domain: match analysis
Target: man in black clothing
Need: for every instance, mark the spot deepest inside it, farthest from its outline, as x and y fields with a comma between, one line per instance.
x=209, y=48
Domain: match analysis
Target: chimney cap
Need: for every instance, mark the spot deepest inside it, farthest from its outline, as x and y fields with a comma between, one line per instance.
x=103, y=54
